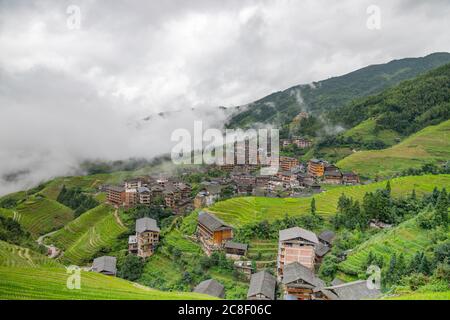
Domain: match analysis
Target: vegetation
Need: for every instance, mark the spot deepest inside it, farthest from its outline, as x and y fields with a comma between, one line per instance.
x=75, y=199
x=429, y=146
x=39, y=215
x=248, y=210
x=16, y=256
x=28, y=283
x=282, y=107
x=92, y=233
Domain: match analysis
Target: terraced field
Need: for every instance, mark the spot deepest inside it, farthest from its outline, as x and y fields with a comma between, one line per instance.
x=82, y=238
x=263, y=252
x=40, y=215
x=365, y=132
x=50, y=283
x=429, y=145
x=241, y=211
x=16, y=256
x=407, y=238
x=422, y=296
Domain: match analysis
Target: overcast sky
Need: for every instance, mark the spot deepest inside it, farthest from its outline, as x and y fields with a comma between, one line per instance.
x=67, y=94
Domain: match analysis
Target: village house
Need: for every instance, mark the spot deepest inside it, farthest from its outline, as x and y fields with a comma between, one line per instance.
x=262, y=286
x=332, y=177
x=235, y=250
x=350, y=178
x=356, y=290
x=299, y=282
x=296, y=245
x=136, y=183
x=211, y=287
x=209, y=194
x=245, y=267
x=156, y=191
x=288, y=163
x=316, y=168
x=286, y=176
x=131, y=198
x=144, y=195
x=244, y=189
x=327, y=237
x=105, y=265
x=147, y=236
x=243, y=178
x=212, y=232
x=301, y=143
x=115, y=195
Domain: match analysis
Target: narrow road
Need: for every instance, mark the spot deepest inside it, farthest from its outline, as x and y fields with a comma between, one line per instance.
x=55, y=252
x=116, y=215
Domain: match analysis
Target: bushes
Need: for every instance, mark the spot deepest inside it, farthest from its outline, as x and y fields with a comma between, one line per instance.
x=131, y=268
x=77, y=200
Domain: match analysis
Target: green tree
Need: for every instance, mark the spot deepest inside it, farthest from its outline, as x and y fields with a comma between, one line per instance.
x=131, y=268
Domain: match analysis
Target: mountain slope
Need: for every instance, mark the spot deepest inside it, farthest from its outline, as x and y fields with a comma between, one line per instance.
x=281, y=107
x=429, y=145
x=50, y=283
x=16, y=256
x=244, y=210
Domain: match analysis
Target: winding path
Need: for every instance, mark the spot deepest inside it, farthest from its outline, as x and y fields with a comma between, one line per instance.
x=55, y=252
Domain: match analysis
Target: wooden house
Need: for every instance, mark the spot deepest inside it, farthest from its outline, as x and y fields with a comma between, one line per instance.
x=212, y=232
x=105, y=265
x=235, y=250
x=296, y=245
x=350, y=178
x=316, y=168
x=132, y=244
x=262, y=286
x=211, y=287
x=299, y=282
x=288, y=163
x=245, y=267
x=147, y=235
x=332, y=177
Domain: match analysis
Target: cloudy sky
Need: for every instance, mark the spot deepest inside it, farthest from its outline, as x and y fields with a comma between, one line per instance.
x=68, y=94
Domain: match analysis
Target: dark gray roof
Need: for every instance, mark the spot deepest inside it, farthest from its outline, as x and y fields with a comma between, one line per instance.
x=262, y=283
x=356, y=290
x=211, y=222
x=327, y=293
x=321, y=249
x=105, y=264
x=146, y=224
x=297, y=232
x=327, y=236
x=332, y=173
x=236, y=245
x=295, y=271
x=211, y=287
x=336, y=282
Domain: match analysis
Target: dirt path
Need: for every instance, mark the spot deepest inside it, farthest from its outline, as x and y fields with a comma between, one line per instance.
x=116, y=215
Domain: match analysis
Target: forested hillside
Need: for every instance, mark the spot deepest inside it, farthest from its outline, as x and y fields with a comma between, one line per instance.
x=281, y=107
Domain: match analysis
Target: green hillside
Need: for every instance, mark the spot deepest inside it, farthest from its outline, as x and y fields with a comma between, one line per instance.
x=422, y=296
x=40, y=215
x=407, y=238
x=240, y=211
x=367, y=133
x=281, y=107
x=429, y=145
x=50, y=283
x=15, y=256
x=83, y=237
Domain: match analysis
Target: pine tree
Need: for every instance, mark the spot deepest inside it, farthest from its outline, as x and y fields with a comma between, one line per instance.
x=388, y=187
x=442, y=208
x=313, y=206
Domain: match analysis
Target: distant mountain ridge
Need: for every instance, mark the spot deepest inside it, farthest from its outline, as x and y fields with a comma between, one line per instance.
x=281, y=107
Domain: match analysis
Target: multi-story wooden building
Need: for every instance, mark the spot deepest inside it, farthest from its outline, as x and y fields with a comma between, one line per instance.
x=212, y=232
x=144, y=196
x=147, y=236
x=332, y=177
x=350, y=178
x=115, y=195
x=288, y=163
x=316, y=168
x=132, y=244
x=235, y=250
x=299, y=282
x=296, y=245
x=302, y=143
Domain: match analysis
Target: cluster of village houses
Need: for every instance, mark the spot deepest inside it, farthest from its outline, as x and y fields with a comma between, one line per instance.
x=300, y=251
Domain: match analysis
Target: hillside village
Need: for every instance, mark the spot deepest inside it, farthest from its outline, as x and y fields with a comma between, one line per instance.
x=307, y=232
